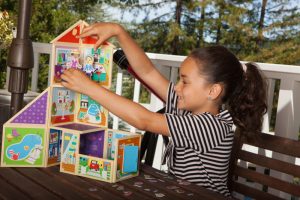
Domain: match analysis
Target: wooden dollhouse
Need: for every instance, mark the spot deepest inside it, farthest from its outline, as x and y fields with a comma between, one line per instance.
x=68, y=128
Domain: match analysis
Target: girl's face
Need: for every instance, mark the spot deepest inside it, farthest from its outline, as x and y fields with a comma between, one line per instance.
x=192, y=89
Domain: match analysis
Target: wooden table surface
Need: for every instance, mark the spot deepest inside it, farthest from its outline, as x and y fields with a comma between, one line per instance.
x=49, y=183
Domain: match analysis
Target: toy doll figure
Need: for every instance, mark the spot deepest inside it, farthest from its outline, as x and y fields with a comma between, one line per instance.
x=88, y=67
x=99, y=74
x=75, y=59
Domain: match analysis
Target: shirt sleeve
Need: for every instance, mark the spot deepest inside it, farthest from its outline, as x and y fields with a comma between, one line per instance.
x=202, y=132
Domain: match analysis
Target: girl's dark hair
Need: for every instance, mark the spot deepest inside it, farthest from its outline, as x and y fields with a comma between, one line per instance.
x=244, y=92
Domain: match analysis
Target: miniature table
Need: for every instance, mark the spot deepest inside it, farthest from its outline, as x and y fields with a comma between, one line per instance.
x=49, y=183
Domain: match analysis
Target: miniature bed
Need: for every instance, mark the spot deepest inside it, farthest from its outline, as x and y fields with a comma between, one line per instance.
x=67, y=128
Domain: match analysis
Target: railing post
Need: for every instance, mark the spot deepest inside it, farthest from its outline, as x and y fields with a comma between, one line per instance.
x=136, y=97
x=285, y=126
x=119, y=92
x=270, y=96
x=35, y=71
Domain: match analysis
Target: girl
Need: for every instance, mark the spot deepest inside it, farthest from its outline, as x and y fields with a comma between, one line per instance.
x=214, y=91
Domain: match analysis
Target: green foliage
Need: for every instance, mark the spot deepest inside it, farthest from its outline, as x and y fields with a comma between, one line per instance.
x=234, y=24
x=6, y=26
x=144, y=95
x=128, y=85
x=280, y=52
x=3, y=56
x=43, y=73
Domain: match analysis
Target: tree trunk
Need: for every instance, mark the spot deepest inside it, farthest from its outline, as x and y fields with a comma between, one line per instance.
x=219, y=22
x=200, y=41
x=175, y=43
x=261, y=23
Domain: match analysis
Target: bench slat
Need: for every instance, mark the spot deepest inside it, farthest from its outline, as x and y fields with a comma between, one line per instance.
x=252, y=192
x=268, y=180
x=276, y=143
x=270, y=163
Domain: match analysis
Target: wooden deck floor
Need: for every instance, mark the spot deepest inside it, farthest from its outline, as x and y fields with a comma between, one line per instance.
x=49, y=183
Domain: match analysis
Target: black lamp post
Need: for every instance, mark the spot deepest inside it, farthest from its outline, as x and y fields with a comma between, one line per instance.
x=20, y=58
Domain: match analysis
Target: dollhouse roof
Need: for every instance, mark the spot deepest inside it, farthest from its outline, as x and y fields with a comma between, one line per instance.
x=70, y=35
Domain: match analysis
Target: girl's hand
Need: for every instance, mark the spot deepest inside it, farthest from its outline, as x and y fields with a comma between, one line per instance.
x=76, y=80
x=102, y=31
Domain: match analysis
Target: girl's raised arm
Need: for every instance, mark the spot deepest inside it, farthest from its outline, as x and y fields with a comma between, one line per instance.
x=137, y=58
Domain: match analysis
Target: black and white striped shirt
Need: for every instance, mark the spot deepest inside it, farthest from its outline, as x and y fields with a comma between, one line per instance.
x=200, y=146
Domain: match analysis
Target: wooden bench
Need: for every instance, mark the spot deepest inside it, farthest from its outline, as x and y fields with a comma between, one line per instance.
x=251, y=183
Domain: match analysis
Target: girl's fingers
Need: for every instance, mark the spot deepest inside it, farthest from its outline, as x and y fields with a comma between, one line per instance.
x=65, y=84
x=65, y=78
x=98, y=43
x=87, y=28
x=67, y=75
x=87, y=33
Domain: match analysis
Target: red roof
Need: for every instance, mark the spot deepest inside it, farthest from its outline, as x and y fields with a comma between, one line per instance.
x=71, y=34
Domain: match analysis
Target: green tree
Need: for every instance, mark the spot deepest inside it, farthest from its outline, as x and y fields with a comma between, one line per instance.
x=167, y=32
x=277, y=39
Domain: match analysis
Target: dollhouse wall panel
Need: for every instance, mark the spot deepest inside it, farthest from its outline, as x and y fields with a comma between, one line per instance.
x=69, y=152
x=62, y=105
x=35, y=113
x=23, y=146
x=54, y=146
x=125, y=169
x=91, y=111
x=65, y=57
x=95, y=168
x=92, y=144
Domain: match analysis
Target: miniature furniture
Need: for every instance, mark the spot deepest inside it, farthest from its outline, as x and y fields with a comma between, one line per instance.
x=250, y=182
x=67, y=128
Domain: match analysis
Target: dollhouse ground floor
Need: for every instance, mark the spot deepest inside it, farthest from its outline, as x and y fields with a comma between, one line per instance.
x=49, y=183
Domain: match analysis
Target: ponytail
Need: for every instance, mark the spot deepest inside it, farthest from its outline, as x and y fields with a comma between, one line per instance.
x=247, y=104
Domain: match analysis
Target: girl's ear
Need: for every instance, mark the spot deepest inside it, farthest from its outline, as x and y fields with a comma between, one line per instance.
x=215, y=91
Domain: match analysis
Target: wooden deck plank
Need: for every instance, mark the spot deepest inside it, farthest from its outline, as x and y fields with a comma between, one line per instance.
x=24, y=185
x=192, y=190
x=53, y=184
x=153, y=191
x=82, y=184
x=120, y=189
x=8, y=191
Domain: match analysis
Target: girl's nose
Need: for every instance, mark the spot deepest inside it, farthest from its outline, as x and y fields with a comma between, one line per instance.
x=177, y=87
